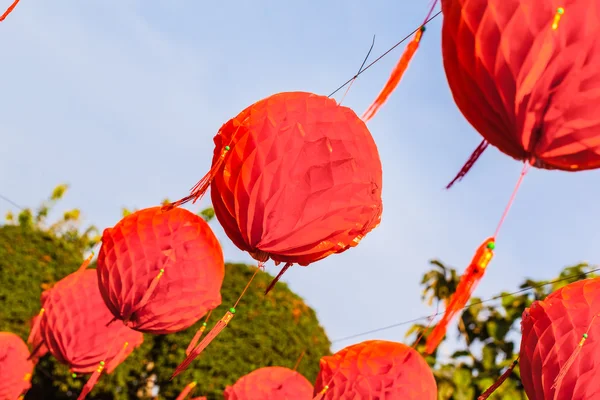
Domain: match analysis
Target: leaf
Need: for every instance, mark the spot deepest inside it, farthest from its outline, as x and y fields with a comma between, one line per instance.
x=208, y=214
x=59, y=192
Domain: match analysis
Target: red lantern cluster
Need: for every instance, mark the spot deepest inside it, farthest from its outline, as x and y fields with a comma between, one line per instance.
x=270, y=383
x=561, y=343
x=375, y=369
x=526, y=75
x=15, y=367
x=160, y=270
x=75, y=326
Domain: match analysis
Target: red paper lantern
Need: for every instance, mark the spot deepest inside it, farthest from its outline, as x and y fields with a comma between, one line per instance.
x=35, y=339
x=75, y=326
x=526, y=75
x=375, y=369
x=561, y=343
x=15, y=368
x=160, y=271
x=296, y=177
x=270, y=383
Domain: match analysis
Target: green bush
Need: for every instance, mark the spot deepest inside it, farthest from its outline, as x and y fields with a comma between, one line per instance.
x=267, y=330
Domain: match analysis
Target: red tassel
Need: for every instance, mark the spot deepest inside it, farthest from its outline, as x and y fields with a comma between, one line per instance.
x=86, y=262
x=190, y=386
x=117, y=359
x=565, y=368
x=8, y=10
x=469, y=164
x=202, y=186
x=278, y=277
x=322, y=393
x=214, y=332
x=195, y=340
x=89, y=386
x=466, y=286
x=149, y=292
x=395, y=77
x=499, y=382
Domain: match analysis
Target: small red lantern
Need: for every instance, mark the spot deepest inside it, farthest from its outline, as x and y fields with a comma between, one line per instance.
x=15, y=367
x=160, y=271
x=560, y=344
x=375, y=369
x=270, y=383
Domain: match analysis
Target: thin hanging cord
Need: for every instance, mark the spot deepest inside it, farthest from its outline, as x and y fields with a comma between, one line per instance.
x=475, y=303
x=386, y=53
x=299, y=360
x=524, y=171
x=359, y=70
x=9, y=201
x=246, y=288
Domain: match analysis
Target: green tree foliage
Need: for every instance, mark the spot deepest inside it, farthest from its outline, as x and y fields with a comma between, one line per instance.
x=267, y=330
x=485, y=329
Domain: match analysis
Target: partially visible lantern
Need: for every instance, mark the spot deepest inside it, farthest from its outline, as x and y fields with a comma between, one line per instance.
x=560, y=344
x=375, y=369
x=35, y=339
x=270, y=383
x=160, y=270
x=76, y=327
x=15, y=367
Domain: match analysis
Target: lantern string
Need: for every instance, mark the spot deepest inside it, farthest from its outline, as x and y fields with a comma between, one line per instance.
x=299, y=360
x=472, y=304
x=214, y=332
x=358, y=73
x=9, y=10
x=399, y=70
x=565, y=368
x=524, y=171
x=198, y=334
x=500, y=381
x=187, y=390
x=385, y=53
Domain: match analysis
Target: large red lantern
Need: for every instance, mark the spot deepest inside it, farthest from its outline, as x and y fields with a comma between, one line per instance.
x=270, y=383
x=560, y=344
x=375, y=369
x=160, y=270
x=75, y=326
x=15, y=367
x=526, y=75
x=295, y=178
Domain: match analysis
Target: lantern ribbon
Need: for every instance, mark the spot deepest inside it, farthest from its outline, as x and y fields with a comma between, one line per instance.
x=198, y=335
x=565, y=368
x=187, y=390
x=9, y=10
x=398, y=71
x=214, y=332
x=499, y=382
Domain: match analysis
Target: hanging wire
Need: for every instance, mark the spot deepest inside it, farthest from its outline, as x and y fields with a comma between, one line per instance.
x=9, y=201
x=385, y=54
x=412, y=321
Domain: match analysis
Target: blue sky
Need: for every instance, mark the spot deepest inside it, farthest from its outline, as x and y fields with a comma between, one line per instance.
x=121, y=100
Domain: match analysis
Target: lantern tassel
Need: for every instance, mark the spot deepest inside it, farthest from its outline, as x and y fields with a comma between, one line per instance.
x=147, y=294
x=466, y=286
x=86, y=262
x=499, y=382
x=197, y=336
x=9, y=10
x=187, y=390
x=395, y=77
x=322, y=393
x=278, y=277
x=117, y=359
x=469, y=164
x=202, y=186
x=89, y=386
x=565, y=368
x=214, y=332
